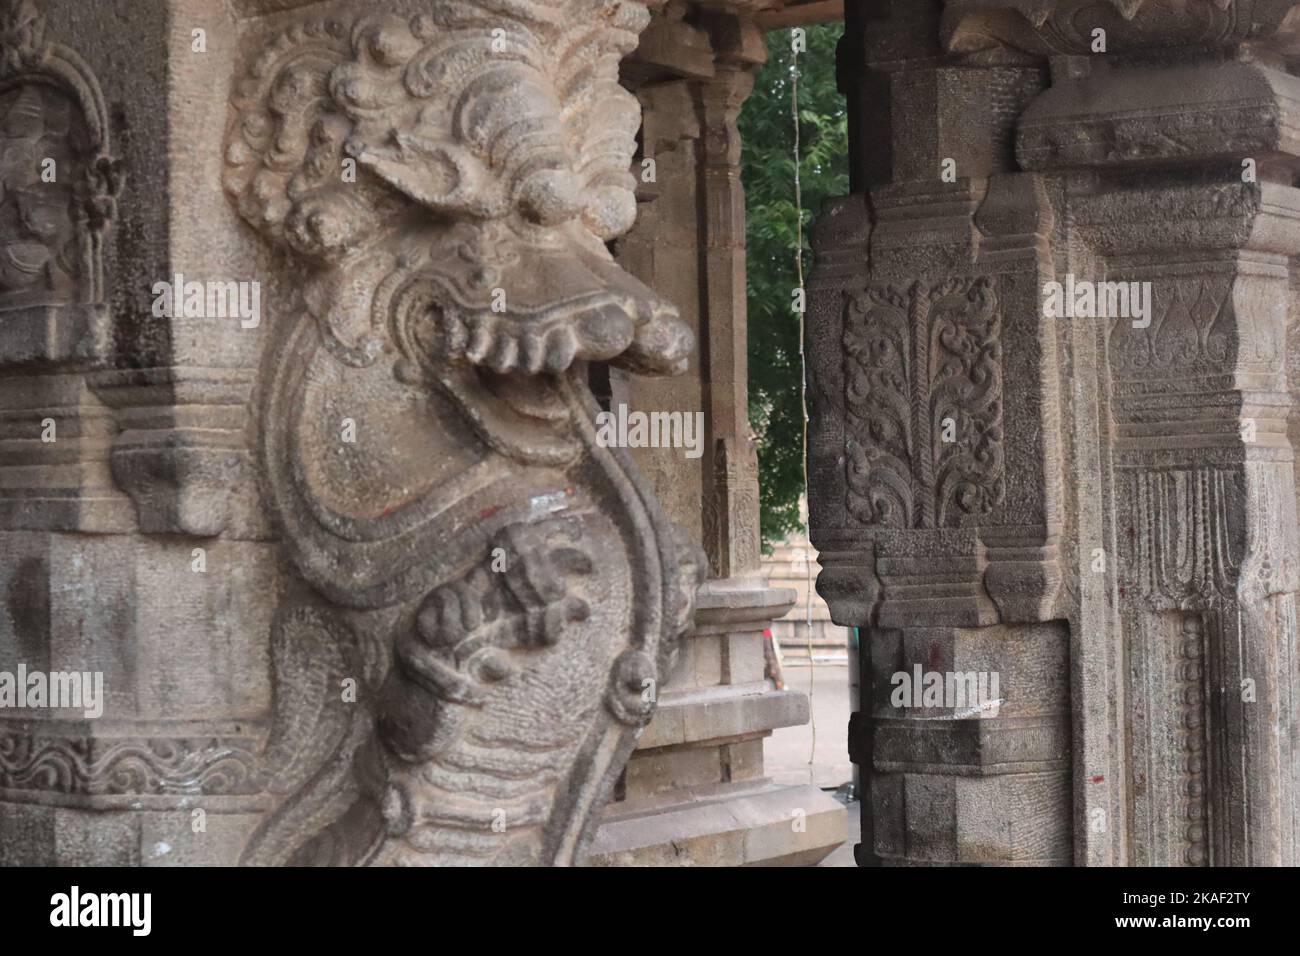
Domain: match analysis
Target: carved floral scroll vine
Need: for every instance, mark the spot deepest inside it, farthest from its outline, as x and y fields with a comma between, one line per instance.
x=923, y=398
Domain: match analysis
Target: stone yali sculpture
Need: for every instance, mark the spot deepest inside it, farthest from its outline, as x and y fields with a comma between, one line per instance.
x=438, y=188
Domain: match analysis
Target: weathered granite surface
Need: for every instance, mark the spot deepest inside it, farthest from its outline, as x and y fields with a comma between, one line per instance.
x=362, y=582
x=1099, y=510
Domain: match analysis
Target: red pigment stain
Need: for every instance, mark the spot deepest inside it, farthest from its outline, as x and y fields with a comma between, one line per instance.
x=489, y=512
x=397, y=506
x=1098, y=779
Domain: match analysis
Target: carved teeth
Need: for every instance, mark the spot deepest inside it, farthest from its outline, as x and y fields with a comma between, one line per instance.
x=550, y=197
x=563, y=347
x=504, y=354
x=531, y=353
x=480, y=340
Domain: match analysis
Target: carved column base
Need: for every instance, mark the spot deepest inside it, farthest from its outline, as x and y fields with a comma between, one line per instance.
x=168, y=773
x=978, y=773
x=736, y=825
x=694, y=792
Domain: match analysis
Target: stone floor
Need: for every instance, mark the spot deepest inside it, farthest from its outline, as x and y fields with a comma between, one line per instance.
x=787, y=752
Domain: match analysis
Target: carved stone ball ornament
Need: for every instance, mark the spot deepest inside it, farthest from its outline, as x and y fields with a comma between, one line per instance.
x=505, y=590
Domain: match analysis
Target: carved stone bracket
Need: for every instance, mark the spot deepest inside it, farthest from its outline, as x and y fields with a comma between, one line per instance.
x=180, y=451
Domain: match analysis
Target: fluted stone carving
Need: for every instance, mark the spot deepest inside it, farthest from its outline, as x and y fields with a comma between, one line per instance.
x=507, y=587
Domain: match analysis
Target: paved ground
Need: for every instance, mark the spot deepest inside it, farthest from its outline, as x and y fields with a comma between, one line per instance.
x=788, y=752
x=843, y=856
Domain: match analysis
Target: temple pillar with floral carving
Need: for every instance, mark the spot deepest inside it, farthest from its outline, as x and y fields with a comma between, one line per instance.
x=1096, y=505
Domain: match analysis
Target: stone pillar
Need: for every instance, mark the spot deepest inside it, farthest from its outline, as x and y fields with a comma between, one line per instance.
x=807, y=630
x=362, y=581
x=695, y=792
x=1099, y=505
x=132, y=543
x=731, y=509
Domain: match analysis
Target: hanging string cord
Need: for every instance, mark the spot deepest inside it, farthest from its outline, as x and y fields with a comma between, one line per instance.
x=803, y=382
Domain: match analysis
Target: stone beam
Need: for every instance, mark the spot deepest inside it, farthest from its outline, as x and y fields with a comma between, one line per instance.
x=801, y=14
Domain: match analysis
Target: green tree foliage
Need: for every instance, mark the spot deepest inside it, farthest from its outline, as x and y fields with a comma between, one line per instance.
x=767, y=130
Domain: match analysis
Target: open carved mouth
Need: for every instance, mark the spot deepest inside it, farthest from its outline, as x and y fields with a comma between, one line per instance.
x=502, y=301
x=557, y=308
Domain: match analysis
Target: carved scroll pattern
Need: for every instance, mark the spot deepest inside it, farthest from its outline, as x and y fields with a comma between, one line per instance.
x=133, y=765
x=923, y=365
